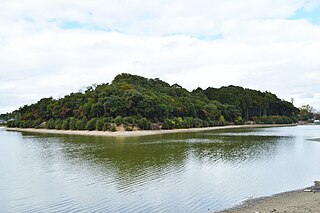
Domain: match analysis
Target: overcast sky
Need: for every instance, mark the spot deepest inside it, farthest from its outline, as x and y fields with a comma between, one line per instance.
x=54, y=47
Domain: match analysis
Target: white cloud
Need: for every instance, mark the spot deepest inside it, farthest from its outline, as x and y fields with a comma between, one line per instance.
x=152, y=17
x=260, y=47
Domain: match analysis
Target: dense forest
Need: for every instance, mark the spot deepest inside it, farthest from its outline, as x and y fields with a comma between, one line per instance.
x=134, y=102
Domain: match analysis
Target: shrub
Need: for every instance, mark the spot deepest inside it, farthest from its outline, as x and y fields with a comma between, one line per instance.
x=38, y=123
x=177, y=122
x=197, y=122
x=222, y=121
x=129, y=121
x=17, y=123
x=212, y=123
x=73, y=123
x=34, y=124
x=273, y=120
x=27, y=124
x=10, y=124
x=81, y=124
x=239, y=121
x=113, y=127
x=58, y=124
x=187, y=122
x=167, y=124
x=91, y=125
x=100, y=124
x=106, y=126
x=118, y=120
x=50, y=124
x=21, y=124
x=144, y=124
x=129, y=128
x=65, y=124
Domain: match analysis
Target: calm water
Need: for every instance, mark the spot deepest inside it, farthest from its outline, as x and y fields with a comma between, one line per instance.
x=189, y=172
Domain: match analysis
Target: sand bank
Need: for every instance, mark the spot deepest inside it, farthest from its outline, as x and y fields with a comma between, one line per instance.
x=141, y=132
x=294, y=201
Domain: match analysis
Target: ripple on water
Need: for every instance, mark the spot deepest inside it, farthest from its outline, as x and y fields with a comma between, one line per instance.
x=171, y=173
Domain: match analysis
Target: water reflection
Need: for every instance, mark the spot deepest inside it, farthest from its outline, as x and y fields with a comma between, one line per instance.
x=139, y=160
x=237, y=148
x=189, y=172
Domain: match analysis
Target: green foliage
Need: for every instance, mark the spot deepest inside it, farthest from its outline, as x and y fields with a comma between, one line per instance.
x=100, y=124
x=144, y=124
x=129, y=128
x=58, y=124
x=7, y=117
x=50, y=124
x=10, y=124
x=187, y=122
x=73, y=123
x=239, y=121
x=106, y=126
x=222, y=121
x=177, y=123
x=91, y=125
x=81, y=124
x=22, y=124
x=250, y=103
x=273, y=120
x=65, y=125
x=118, y=120
x=39, y=124
x=113, y=127
x=132, y=100
x=130, y=121
x=167, y=124
x=197, y=123
x=306, y=113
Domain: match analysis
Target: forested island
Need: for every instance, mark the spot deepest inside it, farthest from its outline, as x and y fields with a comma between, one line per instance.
x=133, y=102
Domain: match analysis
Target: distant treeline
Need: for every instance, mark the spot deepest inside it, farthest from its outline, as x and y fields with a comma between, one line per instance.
x=140, y=103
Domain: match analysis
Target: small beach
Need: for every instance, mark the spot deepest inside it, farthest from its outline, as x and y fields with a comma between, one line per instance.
x=142, y=132
x=294, y=201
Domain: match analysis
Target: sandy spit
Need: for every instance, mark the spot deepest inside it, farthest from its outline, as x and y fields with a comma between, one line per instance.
x=140, y=132
x=294, y=201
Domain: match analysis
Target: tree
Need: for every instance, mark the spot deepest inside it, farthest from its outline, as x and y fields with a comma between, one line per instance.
x=65, y=124
x=100, y=124
x=82, y=123
x=50, y=124
x=144, y=124
x=73, y=123
x=91, y=125
x=132, y=100
x=306, y=112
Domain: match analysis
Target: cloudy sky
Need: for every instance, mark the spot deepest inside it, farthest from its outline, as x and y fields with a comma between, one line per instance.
x=51, y=48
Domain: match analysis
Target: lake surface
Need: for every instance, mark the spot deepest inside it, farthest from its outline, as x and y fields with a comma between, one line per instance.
x=189, y=172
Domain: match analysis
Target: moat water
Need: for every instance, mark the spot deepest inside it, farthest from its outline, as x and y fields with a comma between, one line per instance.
x=182, y=172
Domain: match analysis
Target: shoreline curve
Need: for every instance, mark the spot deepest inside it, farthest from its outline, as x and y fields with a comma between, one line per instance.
x=141, y=132
x=303, y=200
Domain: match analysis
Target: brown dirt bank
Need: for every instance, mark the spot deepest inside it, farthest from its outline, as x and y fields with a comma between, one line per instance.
x=142, y=132
x=295, y=201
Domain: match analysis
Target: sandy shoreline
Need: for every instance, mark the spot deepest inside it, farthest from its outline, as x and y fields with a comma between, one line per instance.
x=142, y=132
x=293, y=201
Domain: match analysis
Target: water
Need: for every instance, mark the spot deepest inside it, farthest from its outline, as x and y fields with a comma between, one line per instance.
x=189, y=172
